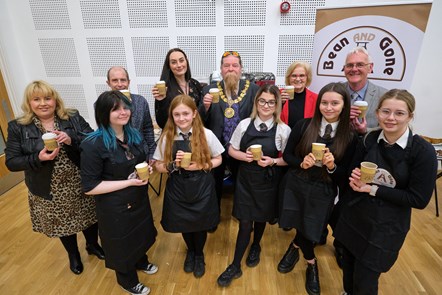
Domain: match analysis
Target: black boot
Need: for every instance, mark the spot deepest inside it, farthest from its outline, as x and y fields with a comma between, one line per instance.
x=312, y=279
x=289, y=259
x=75, y=263
x=95, y=249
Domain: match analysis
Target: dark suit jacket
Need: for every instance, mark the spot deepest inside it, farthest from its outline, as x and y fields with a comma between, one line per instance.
x=214, y=117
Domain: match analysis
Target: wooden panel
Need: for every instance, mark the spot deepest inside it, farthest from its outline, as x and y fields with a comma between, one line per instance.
x=3, y=169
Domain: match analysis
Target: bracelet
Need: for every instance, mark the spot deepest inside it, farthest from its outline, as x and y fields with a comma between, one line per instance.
x=273, y=163
x=332, y=170
x=171, y=167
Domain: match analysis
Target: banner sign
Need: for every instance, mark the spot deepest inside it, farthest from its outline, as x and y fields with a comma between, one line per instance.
x=392, y=34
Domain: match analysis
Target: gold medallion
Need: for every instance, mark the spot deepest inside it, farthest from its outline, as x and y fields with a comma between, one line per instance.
x=229, y=113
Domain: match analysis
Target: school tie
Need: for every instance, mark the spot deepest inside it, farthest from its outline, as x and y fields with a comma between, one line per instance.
x=186, y=136
x=262, y=127
x=328, y=131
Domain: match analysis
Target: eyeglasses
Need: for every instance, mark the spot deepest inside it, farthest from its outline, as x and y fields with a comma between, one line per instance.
x=358, y=65
x=262, y=102
x=398, y=115
x=234, y=53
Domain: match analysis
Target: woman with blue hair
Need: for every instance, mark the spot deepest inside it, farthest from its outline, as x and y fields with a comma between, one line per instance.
x=123, y=210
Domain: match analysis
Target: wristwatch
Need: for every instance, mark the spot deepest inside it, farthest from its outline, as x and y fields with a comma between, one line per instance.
x=373, y=190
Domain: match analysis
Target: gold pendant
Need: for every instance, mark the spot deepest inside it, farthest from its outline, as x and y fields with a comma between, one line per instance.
x=229, y=112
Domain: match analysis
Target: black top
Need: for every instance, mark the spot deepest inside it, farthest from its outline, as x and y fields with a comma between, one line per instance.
x=296, y=108
x=162, y=106
x=340, y=175
x=125, y=219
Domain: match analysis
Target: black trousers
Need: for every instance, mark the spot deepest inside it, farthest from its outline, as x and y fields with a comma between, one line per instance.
x=307, y=246
x=130, y=279
x=358, y=279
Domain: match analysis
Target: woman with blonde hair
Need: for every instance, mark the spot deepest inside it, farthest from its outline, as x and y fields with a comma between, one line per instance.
x=256, y=191
x=376, y=216
x=190, y=203
x=298, y=75
x=58, y=207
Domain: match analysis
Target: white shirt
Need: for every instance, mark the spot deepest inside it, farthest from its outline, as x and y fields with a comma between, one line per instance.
x=325, y=123
x=215, y=147
x=402, y=141
x=281, y=137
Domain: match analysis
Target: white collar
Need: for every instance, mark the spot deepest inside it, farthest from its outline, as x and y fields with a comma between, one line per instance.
x=178, y=131
x=269, y=122
x=402, y=141
x=325, y=123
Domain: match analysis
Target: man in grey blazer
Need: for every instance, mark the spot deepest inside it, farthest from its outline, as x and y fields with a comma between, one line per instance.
x=358, y=64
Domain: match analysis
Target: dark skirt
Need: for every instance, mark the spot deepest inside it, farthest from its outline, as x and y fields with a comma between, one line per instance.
x=305, y=204
x=190, y=203
x=256, y=193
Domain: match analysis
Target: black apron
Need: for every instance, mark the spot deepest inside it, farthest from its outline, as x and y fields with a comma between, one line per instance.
x=256, y=192
x=374, y=230
x=306, y=199
x=125, y=218
x=190, y=203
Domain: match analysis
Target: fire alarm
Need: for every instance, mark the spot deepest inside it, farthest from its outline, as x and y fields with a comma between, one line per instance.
x=285, y=7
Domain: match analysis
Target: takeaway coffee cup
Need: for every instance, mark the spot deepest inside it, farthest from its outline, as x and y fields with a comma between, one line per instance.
x=256, y=150
x=318, y=150
x=126, y=93
x=363, y=106
x=142, y=171
x=49, y=141
x=161, y=85
x=368, y=170
x=215, y=94
x=185, y=162
x=291, y=91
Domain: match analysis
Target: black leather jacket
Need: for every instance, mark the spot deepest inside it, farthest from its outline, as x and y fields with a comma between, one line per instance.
x=24, y=144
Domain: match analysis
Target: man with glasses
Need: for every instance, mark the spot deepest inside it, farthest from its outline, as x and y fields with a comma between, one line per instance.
x=118, y=79
x=235, y=104
x=358, y=64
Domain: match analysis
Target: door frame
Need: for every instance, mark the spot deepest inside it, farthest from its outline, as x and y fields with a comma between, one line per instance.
x=8, y=179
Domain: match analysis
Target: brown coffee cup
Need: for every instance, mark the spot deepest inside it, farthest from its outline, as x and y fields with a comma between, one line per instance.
x=318, y=150
x=215, y=94
x=142, y=171
x=50, y=141
x=256, y=150
x=363, y=106
x=126, y=93
x=185, y=162
x=368, y=171
x=161, y=85
x=290, y=89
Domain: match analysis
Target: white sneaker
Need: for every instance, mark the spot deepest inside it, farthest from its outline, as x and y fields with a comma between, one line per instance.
x=150, y=269
x=139, y=289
